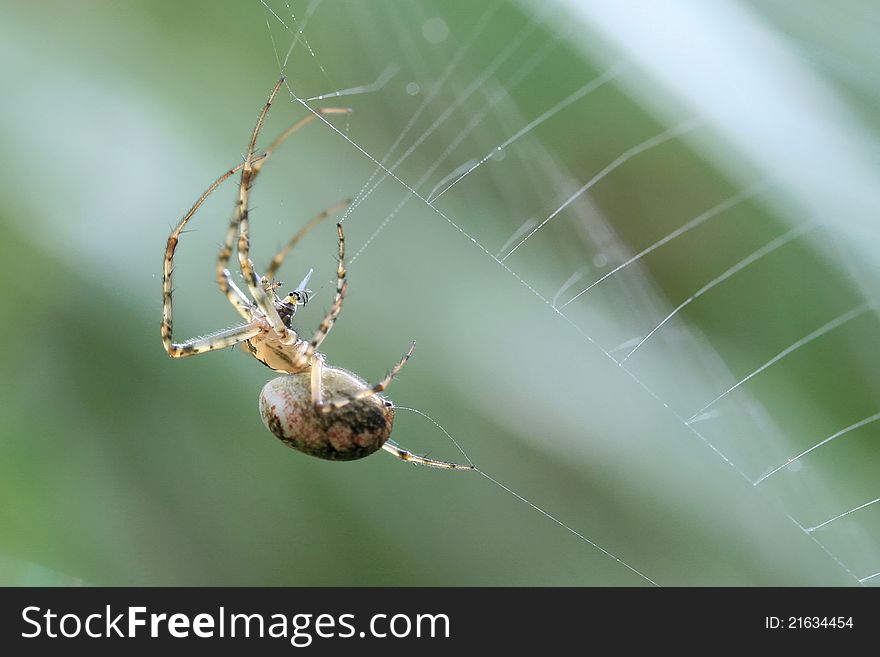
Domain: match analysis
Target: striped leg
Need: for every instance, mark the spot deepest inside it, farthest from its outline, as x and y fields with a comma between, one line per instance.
x=213, y=341
x=332, y=404
x=406, y=455
x=278, y=260
x=224, y=278
x=330, y=318
x=168, y=265
x=254, y=284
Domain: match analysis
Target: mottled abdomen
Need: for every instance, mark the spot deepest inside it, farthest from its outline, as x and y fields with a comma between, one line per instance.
x=343, y=434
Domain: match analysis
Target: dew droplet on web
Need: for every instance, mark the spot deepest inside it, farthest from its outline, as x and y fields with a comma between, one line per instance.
x=435, y=30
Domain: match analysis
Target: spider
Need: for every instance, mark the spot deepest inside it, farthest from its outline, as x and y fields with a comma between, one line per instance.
x=316, y=408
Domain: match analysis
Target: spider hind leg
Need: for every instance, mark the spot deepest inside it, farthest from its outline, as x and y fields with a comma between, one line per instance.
x=340, y=402
x=406, y=455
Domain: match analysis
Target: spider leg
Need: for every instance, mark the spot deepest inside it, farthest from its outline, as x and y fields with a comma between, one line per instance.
x=254, y=284
x=168, y=264
x=332, y=404
x=406, y=455
x=278, y=260
x=224, y=278
x=317, y=377
x=330, y=318
x=213, y=341
x=280, y=139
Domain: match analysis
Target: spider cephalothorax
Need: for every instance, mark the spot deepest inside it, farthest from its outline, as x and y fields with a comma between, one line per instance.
x=317, y=409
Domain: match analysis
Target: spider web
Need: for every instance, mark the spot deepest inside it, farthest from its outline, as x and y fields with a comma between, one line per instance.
x=613, y=274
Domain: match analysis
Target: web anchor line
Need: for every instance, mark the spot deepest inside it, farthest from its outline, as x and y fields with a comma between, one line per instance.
x=526, y=501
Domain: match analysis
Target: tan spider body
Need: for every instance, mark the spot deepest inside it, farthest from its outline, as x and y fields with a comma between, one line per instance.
x=317, y=409
x=350, y=432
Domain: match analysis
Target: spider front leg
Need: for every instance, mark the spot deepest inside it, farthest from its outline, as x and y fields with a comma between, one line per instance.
x=190, y=347
x=213, y=341
x=253, y=281
x=224, y=279
x=309, y=354
x=279, y=258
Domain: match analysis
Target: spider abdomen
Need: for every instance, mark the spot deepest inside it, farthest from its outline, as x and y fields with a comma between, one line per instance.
x=351, y=432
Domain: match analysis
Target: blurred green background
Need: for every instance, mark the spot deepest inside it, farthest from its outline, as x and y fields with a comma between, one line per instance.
x=120, y=466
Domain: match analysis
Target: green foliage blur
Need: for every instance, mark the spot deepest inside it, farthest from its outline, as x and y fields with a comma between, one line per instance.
x=120, y=466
